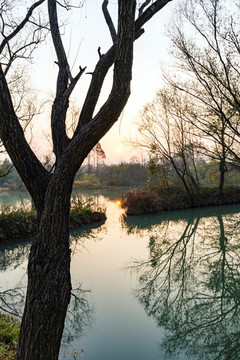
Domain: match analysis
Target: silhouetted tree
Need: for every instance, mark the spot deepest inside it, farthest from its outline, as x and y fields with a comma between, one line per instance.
x=206, y=49
x=49, y=283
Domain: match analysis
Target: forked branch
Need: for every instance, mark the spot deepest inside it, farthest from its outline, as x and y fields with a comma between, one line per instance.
x=106, y=61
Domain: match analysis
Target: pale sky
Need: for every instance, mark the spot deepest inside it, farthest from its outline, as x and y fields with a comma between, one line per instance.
x=85, y=32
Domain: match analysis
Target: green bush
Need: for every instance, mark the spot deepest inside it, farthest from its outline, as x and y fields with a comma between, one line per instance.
x=9, y=333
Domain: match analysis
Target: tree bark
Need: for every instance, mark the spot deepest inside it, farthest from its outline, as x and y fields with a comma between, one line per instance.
x=49, y=282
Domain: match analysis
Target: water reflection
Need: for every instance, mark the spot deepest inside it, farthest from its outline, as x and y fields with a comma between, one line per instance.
x=187, y=282
x=80, y=310
x=190, y=283
x=12, y=300
x=79, y=315
x=13, y=254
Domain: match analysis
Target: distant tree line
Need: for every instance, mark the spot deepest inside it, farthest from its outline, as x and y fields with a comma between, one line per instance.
x=155, y=172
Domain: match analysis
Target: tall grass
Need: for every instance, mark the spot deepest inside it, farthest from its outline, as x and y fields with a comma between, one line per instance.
x=9, y=333
x=17, y=221
x=20, y=221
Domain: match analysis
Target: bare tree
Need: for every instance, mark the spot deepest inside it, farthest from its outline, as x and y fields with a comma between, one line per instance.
x=166, y=134
x=49, y=283
x=207, y=51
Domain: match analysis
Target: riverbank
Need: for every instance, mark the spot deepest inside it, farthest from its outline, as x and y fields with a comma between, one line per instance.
x=152, y=199
x=16, y=223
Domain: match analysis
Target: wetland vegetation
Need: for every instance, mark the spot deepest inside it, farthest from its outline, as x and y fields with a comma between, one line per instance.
x=166, y=282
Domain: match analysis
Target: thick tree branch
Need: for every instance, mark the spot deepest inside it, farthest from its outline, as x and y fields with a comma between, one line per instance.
x=90, y=134
x=34, y=175
x=106, y=61
x=140, y=10
x=109, y=21
x=98, y=76
x=65, y=85
x=56, y=37
x=150, y=12
x=61, y=102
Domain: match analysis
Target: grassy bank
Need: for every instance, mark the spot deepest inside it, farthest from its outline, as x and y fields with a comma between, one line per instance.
x=153, y=199
x=15, y=223
x=9, y=333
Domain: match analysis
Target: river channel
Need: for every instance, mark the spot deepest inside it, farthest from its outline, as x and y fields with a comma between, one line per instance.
x=156, y=287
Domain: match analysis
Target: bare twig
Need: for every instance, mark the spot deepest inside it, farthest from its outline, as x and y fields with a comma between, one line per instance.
x=21, y=25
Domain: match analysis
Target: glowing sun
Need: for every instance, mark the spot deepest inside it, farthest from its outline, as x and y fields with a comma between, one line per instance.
x=118, y=150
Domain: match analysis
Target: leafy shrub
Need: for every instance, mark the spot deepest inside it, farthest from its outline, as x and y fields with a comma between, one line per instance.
x=141, y=201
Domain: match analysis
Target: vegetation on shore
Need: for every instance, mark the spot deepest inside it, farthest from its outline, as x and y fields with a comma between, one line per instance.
x=9, y=333
x=151, y=199
x=22, y=221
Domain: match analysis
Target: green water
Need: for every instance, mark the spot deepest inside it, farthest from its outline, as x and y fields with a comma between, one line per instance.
x=163, y=286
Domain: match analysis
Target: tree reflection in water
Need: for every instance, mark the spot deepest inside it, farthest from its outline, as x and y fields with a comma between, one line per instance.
x=78, y=320
x=80, y=312
x=79, y=315
x=190, y=284
x=12, y=301
x=13, y=254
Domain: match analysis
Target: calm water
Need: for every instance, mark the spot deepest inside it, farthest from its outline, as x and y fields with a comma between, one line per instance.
x=165, y=286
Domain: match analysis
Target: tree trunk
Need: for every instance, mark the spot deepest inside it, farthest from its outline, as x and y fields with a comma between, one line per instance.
x=182, y=178
x=222, y=170
x=221, y=182
x=49, y=283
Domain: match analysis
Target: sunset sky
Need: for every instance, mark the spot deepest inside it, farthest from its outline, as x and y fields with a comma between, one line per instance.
x=85, y=32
